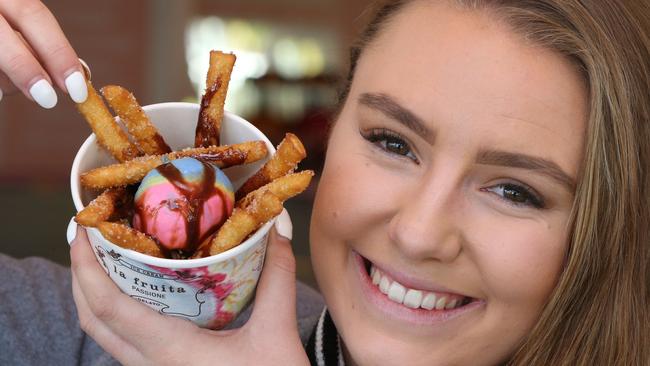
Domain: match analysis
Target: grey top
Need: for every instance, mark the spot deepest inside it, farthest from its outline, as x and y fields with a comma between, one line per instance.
x=39, y=325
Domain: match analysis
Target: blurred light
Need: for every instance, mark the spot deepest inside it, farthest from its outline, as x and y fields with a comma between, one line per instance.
x=298, y=58
x=244, y=35
x=202, y=36
x=211, y=33
x=286, y=58
x=287, y=103
x=312, y=57
x=294, y=53
x=251, y=65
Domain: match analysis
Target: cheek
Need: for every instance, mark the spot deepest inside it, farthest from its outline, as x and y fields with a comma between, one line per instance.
x=350, y=204
x=355, y=195
x=521, y=260
x=336, y=198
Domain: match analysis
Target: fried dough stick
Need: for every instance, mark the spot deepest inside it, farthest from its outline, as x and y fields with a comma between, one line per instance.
x=110, y=205
x=244, y=220
x=108, y=132
x=211, y=113
x=133, y=171
x=129, y=238
x=136, y=121
x=260, y=206
x=289, y=153
x=284, y=187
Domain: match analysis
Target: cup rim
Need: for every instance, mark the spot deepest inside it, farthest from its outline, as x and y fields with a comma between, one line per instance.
x=75, y=189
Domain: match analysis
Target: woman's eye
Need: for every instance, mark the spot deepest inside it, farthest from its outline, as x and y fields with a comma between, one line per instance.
x=390, y=142
x=517, y=195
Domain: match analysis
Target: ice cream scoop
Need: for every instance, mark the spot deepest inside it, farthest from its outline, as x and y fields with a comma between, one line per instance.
x=182, y=202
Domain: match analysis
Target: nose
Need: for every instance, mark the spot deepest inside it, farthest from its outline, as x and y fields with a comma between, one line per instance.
x=427, y=224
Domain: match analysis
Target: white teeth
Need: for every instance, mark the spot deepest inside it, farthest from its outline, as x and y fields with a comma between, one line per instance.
x=376, y=277
x=384, y=284
x=411, y=298
x=429, y=301
x=451, y=304
x=440, y=304
x=396, y=292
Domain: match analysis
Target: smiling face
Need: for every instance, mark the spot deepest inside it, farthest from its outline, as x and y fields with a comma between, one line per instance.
x=440, y=223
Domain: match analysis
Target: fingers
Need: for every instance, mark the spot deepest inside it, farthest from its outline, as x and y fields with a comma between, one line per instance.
x=52, y=61
x=114, y=311
x=110, y=342
x=99, y=292
x=283, y=225
x=23, y=69
x=275, y=299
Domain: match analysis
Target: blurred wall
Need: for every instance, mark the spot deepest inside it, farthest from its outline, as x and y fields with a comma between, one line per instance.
x=140, y=45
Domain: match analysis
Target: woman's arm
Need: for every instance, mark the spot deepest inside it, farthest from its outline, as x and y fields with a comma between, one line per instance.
x=38, y=321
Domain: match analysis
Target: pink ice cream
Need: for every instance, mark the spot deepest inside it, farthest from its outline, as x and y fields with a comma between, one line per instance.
x=182, y=202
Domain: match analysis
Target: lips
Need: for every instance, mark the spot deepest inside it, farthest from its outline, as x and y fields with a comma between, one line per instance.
x=405, y=301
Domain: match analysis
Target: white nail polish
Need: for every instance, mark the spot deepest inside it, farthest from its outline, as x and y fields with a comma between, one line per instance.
x=43, y=94
x=71, y=233
x=76, y=86
x=283, y=225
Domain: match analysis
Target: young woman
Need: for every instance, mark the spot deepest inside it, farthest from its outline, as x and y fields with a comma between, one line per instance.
x=485, y=200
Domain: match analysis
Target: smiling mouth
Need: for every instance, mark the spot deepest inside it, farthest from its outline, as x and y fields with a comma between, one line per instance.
x=414, y=298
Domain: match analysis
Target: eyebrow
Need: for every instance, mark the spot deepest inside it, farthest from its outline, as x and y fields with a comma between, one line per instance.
x=539, y=165
x=392, y=109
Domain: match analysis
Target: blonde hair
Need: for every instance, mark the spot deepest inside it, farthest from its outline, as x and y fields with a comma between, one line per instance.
x=598, y=313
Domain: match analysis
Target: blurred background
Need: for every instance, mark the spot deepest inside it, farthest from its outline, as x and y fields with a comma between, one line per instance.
x=290, y=57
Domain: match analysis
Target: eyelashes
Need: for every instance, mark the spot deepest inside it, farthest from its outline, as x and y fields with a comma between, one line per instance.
x=390, y=142
x=515, y=194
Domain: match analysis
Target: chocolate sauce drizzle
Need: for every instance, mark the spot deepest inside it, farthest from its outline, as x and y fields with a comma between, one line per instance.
x=160, y=142
x=195, y=194
x=207, y=134
x=224, y=159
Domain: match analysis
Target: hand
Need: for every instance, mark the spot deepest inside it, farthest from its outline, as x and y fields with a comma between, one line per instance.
x=30, y=37
x=137, y=335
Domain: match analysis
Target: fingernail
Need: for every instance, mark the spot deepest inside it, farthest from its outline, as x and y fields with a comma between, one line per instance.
x=0, y=94
x=283, y=225
x=43, y=94
x=86, y=69
x=76, y=86
x=71, y=233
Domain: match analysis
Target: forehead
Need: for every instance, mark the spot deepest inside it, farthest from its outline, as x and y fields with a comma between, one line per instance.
x=455, y=67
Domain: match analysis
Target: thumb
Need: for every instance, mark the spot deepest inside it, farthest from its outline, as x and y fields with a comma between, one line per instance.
x=275, y=299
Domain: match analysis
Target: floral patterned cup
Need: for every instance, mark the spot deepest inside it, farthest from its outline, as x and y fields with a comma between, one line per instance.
x=208, y=291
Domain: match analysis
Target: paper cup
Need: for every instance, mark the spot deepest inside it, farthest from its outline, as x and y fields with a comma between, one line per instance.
x=208, y=291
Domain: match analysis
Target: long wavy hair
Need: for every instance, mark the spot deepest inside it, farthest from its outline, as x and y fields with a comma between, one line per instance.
x=598, y=313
